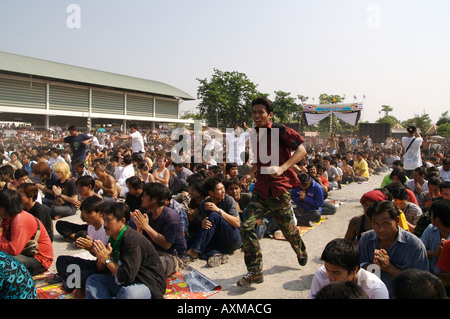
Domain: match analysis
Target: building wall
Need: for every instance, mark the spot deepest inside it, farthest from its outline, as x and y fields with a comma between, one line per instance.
x=31, y=96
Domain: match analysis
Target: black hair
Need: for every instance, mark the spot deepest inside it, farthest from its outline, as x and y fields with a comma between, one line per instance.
x=134, y=125
x=11, y=201
x=399, y=173
x=343, y=253
x=215, y=169
x=444, y=185
x=78, y=163
x=118, y=209
x=232, y=181
x=156, y=190
x=127, y=160
x=19, y=173
x=86, y=180
x=342, y=290
x=397, y=190
x=383, y=206
x=199, y=186
x=143, y=166
x=91, y=204
x=441, y=208
x=420, y=170
x=263, y=101
x=304, y=178
x=417, y=284
x=134, y=182
x=229, y=166
x=211, y=183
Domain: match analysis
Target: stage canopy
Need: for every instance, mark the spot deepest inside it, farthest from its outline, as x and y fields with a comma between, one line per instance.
x=347, y=112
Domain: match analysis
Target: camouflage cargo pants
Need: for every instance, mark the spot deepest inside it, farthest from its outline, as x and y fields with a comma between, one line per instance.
x=280, y=209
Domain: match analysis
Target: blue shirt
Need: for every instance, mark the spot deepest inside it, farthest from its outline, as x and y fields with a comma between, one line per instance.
x=431, y=237
x=76, y=145
x=406, y=252
x=314, y=197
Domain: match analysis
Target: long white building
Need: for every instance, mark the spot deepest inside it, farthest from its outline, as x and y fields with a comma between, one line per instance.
x=47, y=93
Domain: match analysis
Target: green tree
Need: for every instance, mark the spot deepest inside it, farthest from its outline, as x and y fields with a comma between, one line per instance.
x=226, y=99
x=330, y=99
x=444, y=130
x=420, y=121
x=286, y=110
x=444, y=119
x=386, y=109
x=191, y=115
x=389, y=119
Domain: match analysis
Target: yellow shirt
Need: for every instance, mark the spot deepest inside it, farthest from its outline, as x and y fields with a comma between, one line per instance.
x=361, y=168
x=402, y=221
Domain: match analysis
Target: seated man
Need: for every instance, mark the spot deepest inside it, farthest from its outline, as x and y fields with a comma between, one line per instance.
x=220, y=233
x=134, y=195
x=105, y=182
x=341, y=263
x=387, y=247
x=29, y=194
x=162, y=226
x=400, y=196
x=398, y=171
x=70, y=230
x=437, y=233
x=361, y=168
x=332, y=172
x=234, y=189
x=418, y=184
x=79, y=169
x=130, y=265
x=308, y=201
x=93, y=216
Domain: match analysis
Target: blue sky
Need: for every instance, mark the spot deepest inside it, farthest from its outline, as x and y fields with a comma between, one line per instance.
x=395, y=52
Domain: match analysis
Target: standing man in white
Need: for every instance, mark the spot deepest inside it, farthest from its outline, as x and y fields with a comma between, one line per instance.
x=137, y=142
x=412, y=157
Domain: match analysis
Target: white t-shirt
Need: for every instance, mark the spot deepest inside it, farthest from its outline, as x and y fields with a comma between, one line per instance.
x=369, y=282
x=412, y=158
x=444, y=175
x=137, y=142
x=99, y=234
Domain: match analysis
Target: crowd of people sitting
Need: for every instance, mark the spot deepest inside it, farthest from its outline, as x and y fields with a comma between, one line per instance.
x=124, y=184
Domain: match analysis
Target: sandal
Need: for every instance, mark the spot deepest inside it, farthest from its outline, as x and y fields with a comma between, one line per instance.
x=188, y=259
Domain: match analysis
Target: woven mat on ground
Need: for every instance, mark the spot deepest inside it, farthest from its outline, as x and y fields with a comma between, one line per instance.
x=189, y=285
x=302, y=229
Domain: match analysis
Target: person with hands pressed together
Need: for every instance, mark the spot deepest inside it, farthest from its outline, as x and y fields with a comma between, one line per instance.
x=220, y=233
x=130, y=265
x=388, y=247
x=162, y=226
x=84, y=236
x=65, y=191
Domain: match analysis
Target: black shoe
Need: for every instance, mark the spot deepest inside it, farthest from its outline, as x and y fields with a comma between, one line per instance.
x=303, y=258
x=250, y=278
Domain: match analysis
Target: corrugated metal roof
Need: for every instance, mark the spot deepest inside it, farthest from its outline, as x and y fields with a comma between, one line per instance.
x=26, y=65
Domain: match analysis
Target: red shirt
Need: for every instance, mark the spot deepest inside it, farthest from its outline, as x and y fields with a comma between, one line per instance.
x=18, y=230
x=444, y=258
x=289, y=140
